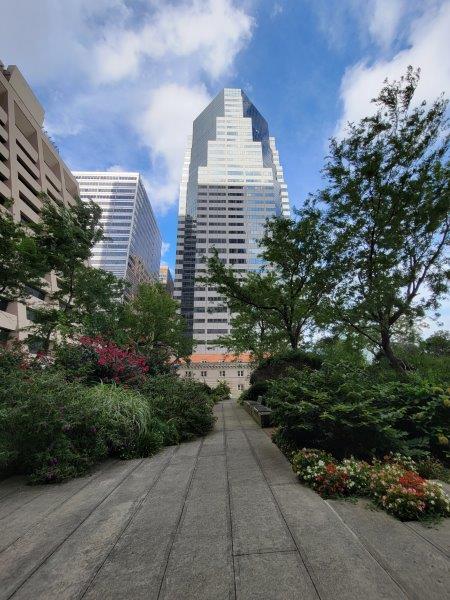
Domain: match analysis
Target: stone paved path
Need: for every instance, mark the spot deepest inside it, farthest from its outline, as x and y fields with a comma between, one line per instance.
x=219, y=518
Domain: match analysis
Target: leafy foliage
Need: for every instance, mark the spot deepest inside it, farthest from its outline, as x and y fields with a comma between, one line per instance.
x=387, y=203
x=53, y=426
x=339, y=408
x=390, y=483
x=99, y=360
x=280, y=302
x=22, y=263
x=277, y=365
x=186, y=404
x=153, y=326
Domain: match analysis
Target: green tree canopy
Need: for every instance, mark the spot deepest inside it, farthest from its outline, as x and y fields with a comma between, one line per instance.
x=154, y=327
x=22, y=262
x=284, y=297
x=87, y=300
x=388, y=199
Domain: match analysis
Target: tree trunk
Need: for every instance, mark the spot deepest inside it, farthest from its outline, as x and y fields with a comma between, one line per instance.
x=386, y=348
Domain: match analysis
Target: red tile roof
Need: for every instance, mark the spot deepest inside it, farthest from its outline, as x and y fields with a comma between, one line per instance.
x=220, y=358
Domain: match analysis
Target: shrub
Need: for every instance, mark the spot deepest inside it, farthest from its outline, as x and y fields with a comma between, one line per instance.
x=432, y=468
x=340, y=409
x=185, y=404
x=308, y=464
x=48, y=427
x=332, y=483
x=275, y=367
x=358, y=474
x=52, y=429
x=220, y=392
x=99, y=360
x=254, y=392
x=127, y=422
x=391, y=485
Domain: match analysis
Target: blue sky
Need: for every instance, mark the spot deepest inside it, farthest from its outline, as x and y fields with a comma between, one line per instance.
x=122, y=80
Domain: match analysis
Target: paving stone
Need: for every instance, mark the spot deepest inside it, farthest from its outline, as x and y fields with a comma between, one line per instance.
x=273, y=576
x=49, y=499
x=199, y=571
x=135, y=567
x=438, y=535
x=257, y=524
x=21, y=559
x=274, y=465
x=206, y=520
x=88, y=546
x=342, y=569
x=421, y=570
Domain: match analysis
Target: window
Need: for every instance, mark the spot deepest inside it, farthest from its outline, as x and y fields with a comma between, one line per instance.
x=221, y=373
x=240, y=373
x=36, y=292
x=31, y=314
x=188, y=373
x=240, y=386
x=204, y=373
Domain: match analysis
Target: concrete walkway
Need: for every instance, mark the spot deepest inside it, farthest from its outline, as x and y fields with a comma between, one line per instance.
x=218, y=518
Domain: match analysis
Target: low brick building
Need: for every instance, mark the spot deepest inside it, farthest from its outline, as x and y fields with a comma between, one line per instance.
x=213, y=368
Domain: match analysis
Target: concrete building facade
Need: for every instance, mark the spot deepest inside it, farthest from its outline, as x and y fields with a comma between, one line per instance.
x=131, y=249
x=212, y=368
x=165, y=278
x=232, y=181
x=29, y=165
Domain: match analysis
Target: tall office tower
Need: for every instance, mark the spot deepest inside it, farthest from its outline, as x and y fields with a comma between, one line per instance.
x=29, y=165
x=131, y=249
x=165, y=278
x=232, y=181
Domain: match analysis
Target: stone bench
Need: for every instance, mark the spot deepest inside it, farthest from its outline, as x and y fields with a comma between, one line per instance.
x=260, y=413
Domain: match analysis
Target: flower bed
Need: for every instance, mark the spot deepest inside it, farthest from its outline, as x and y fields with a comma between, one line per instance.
x=392, y=484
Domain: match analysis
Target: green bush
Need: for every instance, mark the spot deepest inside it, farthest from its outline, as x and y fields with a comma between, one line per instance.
x=52, y=429
x=127, y=422
x=339, y=408
x=48, y=427
x=275, y=367
x=220, y=392
x=254, y=392
x=184, y=404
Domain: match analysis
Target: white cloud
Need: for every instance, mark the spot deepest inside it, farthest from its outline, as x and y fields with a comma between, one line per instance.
x=428, y=47
x=111, y=65
x=213, y=30
x=384, y=20
x=164, y=248
x=164, y=126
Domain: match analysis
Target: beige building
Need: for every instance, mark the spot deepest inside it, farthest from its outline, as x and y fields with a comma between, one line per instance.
x=29, y=165
x=213, y=368
x=165, y=278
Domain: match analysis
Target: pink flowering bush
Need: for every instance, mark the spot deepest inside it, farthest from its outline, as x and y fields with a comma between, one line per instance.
x=96, y=359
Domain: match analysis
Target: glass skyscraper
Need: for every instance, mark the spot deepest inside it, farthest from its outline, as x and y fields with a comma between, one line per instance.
x=131, y=249
x=232, y=181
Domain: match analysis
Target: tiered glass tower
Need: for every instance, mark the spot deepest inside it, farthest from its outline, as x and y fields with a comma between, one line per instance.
x=232, y=181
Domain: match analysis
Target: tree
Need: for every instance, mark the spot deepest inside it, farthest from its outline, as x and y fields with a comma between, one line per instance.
x=388, y=201
x=96, y=308
x=153, y=326
x=255, y=331
x=22, y=263
x=65, y=236
x=438, y=344
x=286, y=293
